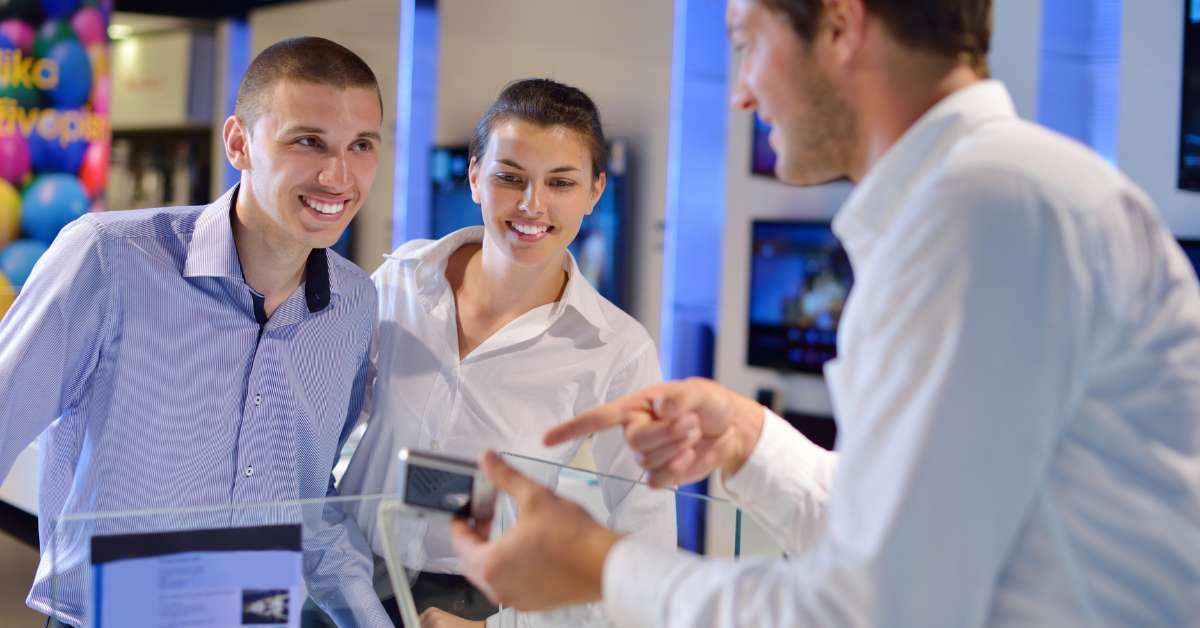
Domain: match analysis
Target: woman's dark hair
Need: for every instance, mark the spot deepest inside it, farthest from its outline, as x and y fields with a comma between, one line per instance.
x=545, y=103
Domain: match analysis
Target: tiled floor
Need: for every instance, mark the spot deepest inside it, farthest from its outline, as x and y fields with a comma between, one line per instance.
x=19, y=562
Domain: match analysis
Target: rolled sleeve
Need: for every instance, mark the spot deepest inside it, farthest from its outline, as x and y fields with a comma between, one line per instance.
x=785, y=484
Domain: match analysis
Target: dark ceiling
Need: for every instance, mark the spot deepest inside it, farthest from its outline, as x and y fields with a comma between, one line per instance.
x=208, y=9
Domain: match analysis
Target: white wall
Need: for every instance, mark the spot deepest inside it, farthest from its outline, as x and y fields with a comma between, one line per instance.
x=1148, y=119
x=371, y=28
x=618, y=51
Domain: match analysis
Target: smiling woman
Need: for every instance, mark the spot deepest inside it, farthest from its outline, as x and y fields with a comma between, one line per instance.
x=491, y=335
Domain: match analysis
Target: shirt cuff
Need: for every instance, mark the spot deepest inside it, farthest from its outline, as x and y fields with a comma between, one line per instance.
x=636, y=574
x=778, y=441
x=355, y=603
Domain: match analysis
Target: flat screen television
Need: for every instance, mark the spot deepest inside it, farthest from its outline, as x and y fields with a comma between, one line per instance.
x=799, y=280
x=762, y=157
x=1189, y=128
x=600, y=248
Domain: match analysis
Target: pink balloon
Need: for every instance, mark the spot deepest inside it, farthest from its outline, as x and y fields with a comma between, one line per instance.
x=14, y=158
x=100, y=96
x=19, y=33
x=89, y=26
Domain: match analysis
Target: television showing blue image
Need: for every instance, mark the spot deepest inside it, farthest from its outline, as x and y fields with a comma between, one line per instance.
x=800, y=278
x=762, y=156
x=599, y=248
x=1189, y=140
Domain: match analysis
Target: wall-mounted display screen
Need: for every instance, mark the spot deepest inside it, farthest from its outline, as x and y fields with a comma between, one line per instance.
x=762, y=157
x=1189, y=140
x=799, y=280
x=599, y=248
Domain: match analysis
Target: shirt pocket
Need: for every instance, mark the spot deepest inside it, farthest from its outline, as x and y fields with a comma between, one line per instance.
x=322, y=374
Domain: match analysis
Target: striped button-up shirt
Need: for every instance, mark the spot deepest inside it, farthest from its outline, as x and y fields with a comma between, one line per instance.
x=143, y=359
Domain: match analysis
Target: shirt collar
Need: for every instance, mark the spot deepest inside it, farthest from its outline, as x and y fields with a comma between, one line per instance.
x=429, y=261
x=874, y=201
x=212, y=253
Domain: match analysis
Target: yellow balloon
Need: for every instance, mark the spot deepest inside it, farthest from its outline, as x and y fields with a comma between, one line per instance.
x=10, y=213
x=7, y=294
x=98, y=56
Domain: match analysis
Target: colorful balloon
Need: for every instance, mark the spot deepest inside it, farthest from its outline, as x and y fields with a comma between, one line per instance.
x=105, y=6
x=14, y=158
x=89, y=26
x=98, y=56
x=10, y=213
x=8, y=294
x=94, y=171
x=99, y=97
x=17, y=260
x=60, y=8
x=74, y=74
x=51, y=155
x=51, y=33
x=49, y=203
x=18, y=33
x=23, y=92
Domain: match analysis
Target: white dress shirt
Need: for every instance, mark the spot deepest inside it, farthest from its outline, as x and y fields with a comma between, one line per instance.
x=541, y=369
x=1018, y=398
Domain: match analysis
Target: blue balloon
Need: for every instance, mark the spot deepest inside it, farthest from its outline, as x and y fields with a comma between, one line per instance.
x=49, y=155
x=60, y=8
x=49, y=203
x=74, y=74
x=6, y=43
x=17, y=259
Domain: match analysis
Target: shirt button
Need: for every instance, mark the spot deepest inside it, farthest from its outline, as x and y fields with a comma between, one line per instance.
x=258, y=400
x=249, y=471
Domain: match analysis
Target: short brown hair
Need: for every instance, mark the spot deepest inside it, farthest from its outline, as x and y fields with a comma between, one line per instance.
x=957, y=28
x=308, y=59
x=545, y=103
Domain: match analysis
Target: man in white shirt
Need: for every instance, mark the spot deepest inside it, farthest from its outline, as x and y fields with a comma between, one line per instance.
x=1018, y=381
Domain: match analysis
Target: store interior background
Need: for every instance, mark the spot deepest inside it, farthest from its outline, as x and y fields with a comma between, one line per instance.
x=1103, y=71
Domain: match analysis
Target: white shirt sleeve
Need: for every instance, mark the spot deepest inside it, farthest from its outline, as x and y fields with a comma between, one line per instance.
x=961, y=366
x=785, y=484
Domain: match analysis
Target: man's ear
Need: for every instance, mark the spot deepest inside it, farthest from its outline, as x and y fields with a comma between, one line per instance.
x=843, y=24
x=237, y=142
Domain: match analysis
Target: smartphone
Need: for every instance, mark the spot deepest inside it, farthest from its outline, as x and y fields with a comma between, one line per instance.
x=445, y=485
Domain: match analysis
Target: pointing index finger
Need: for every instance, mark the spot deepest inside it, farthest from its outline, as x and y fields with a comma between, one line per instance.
x=590, y=422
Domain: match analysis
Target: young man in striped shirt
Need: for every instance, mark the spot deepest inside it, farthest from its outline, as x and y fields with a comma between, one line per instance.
x=198, y=356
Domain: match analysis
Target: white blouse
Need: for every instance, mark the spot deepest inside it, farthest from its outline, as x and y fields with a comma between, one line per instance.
x=541, y=369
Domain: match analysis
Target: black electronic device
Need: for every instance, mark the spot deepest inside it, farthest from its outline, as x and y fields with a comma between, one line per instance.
x=445, y=485
x=762, y=156
x=800, y=278
x=1189, y=128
